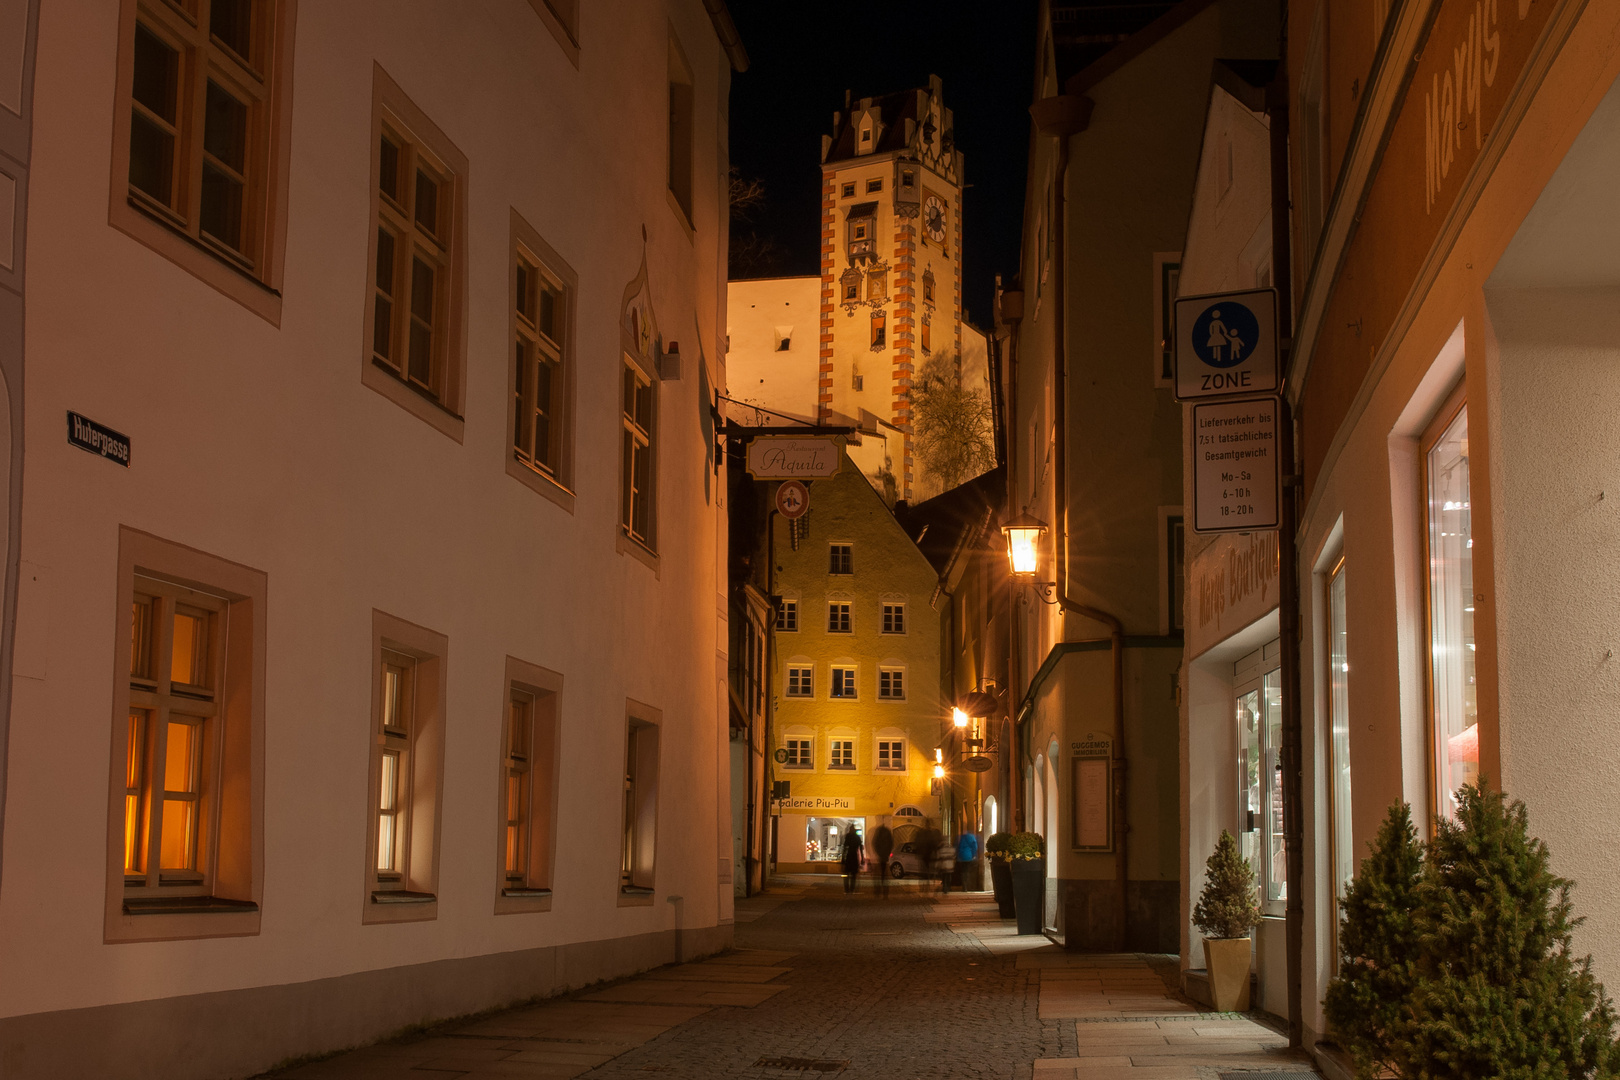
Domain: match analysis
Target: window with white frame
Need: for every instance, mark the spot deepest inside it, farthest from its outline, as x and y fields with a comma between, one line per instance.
x=840, y=559
x=637, y=406
x=540, y=385
x=1260, y=806
x=1454, y=704
x=639, y=844
x=892, y=684
x=171, y=804
x=841, y=754
x=894, y=618
x=787, y=616
x=843, y=681
x=801, y=681
x=528, y=785
x=838, y=619
x=406, y=783
x=798, y=754
x=891, y=754
x=185, y=808
x=1344, y=852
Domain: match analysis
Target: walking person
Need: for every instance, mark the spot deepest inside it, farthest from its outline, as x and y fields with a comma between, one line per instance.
x=945, y=864
x=967, y=853
x=854, y=858
x=882, y=847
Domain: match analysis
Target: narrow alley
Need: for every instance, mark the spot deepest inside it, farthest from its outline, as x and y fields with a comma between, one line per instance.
x=821, y=984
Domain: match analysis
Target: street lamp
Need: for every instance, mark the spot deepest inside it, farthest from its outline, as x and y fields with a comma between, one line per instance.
x=1023, y=539
x=1023, y=552
x=959, y=718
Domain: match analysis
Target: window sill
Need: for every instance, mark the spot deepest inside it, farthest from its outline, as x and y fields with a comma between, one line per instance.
x=425, y=407
x=540, y=482
x=635, y=548
x=399, y=905
x=840, y=768
x=186, y=905
x=521, y=901
x=635, y=896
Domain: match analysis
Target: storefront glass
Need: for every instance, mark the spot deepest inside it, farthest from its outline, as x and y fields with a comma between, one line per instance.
x=1451, y=615
x=1249, y=759
x=1344, y=853
x=1260, y=803
x=1276, y=869
x=824, y=837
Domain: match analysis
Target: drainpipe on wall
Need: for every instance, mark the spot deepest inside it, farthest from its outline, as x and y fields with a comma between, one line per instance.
x=1288, y=561
x=1065, y=116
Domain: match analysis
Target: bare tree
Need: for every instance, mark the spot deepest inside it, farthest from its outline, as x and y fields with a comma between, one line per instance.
x=951, y=424
x=751, y=254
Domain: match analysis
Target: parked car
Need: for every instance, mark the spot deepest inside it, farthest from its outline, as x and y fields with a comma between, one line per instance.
x=907, y=859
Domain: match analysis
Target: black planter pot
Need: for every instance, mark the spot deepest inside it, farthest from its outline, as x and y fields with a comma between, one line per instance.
x=1029, y=894
x=1001, y=881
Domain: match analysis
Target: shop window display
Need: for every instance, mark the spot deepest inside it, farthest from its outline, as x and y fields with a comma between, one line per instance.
x=1260, y=805
x=1344, y=852
x=1452, y=691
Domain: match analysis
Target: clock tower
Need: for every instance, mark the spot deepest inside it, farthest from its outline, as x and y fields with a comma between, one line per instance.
x=891, y=268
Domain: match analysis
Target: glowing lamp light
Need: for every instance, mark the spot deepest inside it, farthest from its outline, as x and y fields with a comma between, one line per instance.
x=939, y=753
x=939, y=772
x=1023, y=538
x=959, y=718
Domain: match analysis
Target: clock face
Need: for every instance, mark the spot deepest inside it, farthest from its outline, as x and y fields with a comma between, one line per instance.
x=934, y=219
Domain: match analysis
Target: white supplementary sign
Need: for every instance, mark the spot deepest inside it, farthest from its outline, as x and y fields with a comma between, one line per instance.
x=1226, y=344
x=1235, y=466
x=772, y=457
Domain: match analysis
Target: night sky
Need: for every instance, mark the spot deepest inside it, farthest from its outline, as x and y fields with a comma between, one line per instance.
x=803, y=55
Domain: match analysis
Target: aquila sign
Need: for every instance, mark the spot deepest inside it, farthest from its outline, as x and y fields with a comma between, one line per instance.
x=785, y=457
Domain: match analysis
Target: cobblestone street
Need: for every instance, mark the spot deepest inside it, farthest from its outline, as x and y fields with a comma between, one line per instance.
x=915, y=987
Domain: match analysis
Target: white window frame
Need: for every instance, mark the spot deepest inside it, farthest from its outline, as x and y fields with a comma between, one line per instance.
x=841, y=753
x=807, y=679
x=787, y=616
x=801, y=752
x=840, y=618
x=895, y=751
x=844, y=677
x=890, y=678
x=894, y=617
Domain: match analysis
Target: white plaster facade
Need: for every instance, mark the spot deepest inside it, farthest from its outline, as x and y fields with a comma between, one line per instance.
x=256, y=442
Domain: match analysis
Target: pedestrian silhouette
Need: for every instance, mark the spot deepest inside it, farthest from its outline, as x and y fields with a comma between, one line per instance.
x=1237, y=345
x=1218, y=336
x=854, y=857
x=882, y=847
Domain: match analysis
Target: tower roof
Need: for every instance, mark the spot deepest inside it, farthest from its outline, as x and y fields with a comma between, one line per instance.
x=908, y=123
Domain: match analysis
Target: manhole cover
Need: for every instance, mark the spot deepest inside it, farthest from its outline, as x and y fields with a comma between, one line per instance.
x=796, y=1064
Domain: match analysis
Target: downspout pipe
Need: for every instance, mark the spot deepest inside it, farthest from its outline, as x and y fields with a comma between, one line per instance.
x=1065, y=116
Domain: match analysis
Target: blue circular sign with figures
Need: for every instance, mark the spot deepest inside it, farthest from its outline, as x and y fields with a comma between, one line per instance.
x=1224, y=334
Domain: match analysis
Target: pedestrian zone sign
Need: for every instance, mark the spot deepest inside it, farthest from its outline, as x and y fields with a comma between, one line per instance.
x=1226, y=344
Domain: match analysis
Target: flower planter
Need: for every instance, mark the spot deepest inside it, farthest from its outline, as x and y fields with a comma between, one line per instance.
x=1227, y=960
x=1001, y=881
x=1029, y=894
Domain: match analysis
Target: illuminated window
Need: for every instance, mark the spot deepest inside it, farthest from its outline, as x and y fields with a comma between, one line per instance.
x=1453, y=698
x=879, y=331
x=640, y=841
x=801, y=681
x=528, y=780
x=171, y=750
x=894, y=618
x=1260, y=806
x=1344, y=851
x=187, y=724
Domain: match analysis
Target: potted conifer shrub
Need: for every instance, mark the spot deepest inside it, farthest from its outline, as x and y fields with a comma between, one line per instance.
x=1027, y=855
x=1366, y=1000
x=997, y=849
x=1499, y=991
x=1227, y=910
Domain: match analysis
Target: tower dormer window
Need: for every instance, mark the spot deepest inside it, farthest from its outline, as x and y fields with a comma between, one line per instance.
x=874, y=184
x=849, y=190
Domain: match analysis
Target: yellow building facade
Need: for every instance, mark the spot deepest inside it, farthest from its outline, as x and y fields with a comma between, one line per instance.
x=856, y=679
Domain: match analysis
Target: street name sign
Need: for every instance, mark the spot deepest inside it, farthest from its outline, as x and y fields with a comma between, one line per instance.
x=1236, y=476
x=792, y=499
x=789, y=457
x=1226, y=344
x=86, y=434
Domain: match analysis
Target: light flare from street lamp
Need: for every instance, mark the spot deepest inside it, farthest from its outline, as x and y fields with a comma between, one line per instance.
x=959, y=718
x=1023, y=543
x=939, y=772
